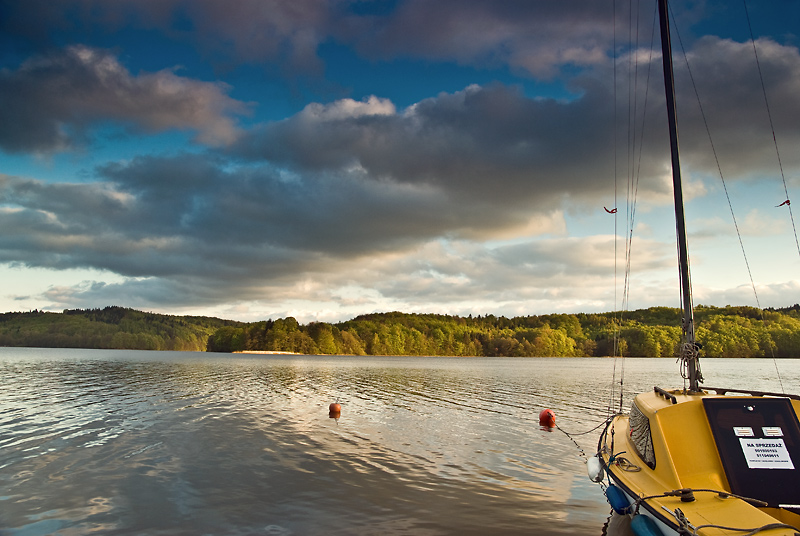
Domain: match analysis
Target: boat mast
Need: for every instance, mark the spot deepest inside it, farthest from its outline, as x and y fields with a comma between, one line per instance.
x=689, y=346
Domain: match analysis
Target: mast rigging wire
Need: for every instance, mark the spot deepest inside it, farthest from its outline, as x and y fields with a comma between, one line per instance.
x=725, y=186
x=633, y=173
x=616, y=233
x=771, y=125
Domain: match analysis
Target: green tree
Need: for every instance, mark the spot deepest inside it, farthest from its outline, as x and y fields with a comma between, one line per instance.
x=322, y=334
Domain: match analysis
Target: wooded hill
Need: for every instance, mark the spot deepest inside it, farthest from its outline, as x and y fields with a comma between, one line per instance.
x=653, y=332
x=112, y=327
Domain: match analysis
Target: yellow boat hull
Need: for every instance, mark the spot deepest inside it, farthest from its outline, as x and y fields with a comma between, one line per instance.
x=685, y=468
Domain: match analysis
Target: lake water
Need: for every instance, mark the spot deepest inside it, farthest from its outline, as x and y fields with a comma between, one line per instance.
x=168, y=443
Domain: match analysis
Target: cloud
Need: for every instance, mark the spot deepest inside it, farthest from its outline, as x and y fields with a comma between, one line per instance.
x=534, y=38
x=340, y=184
x=781, y=293
x=755, y=223
x=227, y=34
x=347, y=109
x=460, y=277
x=537, y=39
x=483, y=143
x=576, y=269
x=196, y=228
x=725, y=79
x=729, y=87
x=460, y=199
x=494, y=141
x=51, y=102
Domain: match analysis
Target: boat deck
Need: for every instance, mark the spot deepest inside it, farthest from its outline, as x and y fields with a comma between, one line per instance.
x=742, y=446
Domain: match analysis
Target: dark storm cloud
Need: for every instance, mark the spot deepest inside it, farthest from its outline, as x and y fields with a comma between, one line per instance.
x=50, y=102
x=490, y=144
x=494, y=143
x=533, y=37
x=725, y=82
x=259, y=206
x=227, y=33
x=188, y=216
x=733, y=101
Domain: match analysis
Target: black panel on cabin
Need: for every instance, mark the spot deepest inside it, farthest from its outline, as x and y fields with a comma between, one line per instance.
x=775, y=437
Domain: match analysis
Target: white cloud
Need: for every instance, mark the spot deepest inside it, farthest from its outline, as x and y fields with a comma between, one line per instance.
x=347, y=109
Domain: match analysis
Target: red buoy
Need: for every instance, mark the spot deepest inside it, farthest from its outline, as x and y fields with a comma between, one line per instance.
x=547, y=418
x=335, y=410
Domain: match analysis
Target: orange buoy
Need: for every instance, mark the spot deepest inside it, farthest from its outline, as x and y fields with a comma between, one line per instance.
x=547, y=418
x=335, y=411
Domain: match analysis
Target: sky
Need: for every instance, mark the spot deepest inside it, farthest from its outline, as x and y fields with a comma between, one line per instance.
x=324, y=159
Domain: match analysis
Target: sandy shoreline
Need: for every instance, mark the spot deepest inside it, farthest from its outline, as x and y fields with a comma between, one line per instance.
x=266, y=352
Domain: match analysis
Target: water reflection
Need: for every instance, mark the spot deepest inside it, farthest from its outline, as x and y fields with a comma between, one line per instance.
x=617, y=525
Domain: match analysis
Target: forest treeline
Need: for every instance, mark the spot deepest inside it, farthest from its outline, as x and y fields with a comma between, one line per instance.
x=654, y=332
x=111, y=327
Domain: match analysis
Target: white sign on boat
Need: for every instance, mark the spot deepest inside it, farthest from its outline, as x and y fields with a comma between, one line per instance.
x=766, y=454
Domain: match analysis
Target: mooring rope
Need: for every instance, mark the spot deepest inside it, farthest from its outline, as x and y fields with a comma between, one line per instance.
x=683, y=522
x=580, y=449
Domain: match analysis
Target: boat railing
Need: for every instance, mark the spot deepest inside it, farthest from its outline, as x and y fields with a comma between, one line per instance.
x=666, y=394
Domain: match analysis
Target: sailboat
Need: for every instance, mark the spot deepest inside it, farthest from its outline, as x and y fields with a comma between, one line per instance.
x=701, y=460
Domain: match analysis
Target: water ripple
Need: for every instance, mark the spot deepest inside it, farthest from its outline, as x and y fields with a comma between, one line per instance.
x=169, y=443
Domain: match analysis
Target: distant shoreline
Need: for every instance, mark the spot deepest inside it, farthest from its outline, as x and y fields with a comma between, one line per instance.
x=733, y=331
x=265, y=352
